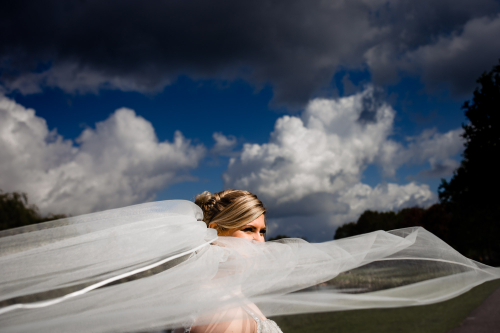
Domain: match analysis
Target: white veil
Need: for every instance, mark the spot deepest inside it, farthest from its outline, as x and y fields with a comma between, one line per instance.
x=156, y=265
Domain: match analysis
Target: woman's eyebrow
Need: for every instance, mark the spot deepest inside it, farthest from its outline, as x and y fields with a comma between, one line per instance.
x=254, y=228
x=249, y=226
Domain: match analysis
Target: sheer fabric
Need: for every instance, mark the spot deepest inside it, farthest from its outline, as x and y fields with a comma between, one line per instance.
x=156, y=266
x=263, y=326
x=246, y=318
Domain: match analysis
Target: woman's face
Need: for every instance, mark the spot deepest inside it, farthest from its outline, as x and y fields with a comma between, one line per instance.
x=255, y=230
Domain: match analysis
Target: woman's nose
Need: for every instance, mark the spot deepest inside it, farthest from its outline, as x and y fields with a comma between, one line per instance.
x=259, y=237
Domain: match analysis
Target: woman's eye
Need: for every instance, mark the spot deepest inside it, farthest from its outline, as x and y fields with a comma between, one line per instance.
x=248, y=230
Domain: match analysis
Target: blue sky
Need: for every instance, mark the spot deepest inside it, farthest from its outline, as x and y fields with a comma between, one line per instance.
x=200, y=108
x=321, y=111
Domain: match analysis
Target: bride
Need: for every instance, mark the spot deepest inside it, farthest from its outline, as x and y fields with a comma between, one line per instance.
x=206, y=267
x=239, y=214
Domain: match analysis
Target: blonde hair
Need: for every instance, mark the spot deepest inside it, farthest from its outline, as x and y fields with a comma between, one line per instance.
x=229, y=209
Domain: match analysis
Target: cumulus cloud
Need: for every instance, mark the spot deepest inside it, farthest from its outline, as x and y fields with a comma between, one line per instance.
x=313, y=164
x=296, y=45
x=430, y=146
x=224, y=145
x=118, y=163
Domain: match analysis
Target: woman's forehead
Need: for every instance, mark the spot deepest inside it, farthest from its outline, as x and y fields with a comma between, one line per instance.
x=258, y=222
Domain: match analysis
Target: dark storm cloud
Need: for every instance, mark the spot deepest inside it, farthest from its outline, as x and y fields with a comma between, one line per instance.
x=295, y=45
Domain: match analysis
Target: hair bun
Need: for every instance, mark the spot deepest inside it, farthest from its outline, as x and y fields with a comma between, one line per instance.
x=207, y=202
x=203, y=198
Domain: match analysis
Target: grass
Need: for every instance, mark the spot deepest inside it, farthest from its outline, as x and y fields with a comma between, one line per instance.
x=434, y=318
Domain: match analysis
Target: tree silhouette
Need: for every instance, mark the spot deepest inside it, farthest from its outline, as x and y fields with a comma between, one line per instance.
x=277, y=237
x=472, y=195
x=15, y=211
x=435, y=219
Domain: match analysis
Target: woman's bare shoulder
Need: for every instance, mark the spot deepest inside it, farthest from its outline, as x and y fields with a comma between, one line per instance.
x=234, y=320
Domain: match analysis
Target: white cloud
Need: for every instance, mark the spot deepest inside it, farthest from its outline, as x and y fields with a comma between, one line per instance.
x=430, y=146
x=118, y=163
x=224, y=145
x=313, y=164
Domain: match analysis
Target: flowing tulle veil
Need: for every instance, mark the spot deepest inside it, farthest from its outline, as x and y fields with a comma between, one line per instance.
x=156, y=265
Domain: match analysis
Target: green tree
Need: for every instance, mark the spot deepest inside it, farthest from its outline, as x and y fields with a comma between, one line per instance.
x=472, y=195
x=435, y=219
x=15, y=211
x=277, y=237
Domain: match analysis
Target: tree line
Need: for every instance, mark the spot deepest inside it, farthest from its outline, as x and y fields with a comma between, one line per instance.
x=467, y=216
x=16, y=211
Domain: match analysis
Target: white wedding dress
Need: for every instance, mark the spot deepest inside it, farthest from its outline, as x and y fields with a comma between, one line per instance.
x=156, y=266
x=264, y=326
